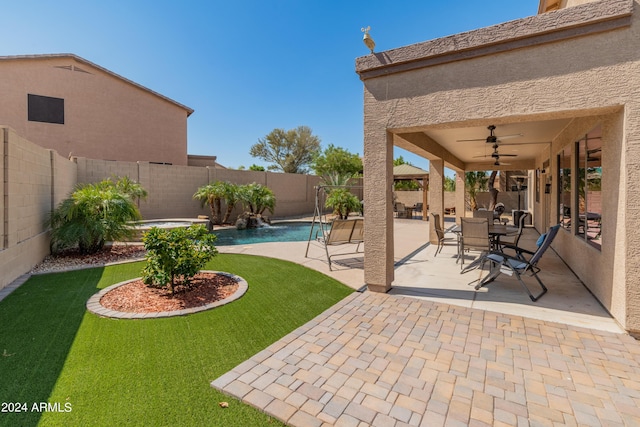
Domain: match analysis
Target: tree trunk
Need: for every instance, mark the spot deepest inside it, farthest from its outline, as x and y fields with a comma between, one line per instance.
x=493, y=192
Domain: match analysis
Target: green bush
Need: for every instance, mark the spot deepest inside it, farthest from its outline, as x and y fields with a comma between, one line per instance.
x=95, y=213
x=175, y=256
x=343, y=202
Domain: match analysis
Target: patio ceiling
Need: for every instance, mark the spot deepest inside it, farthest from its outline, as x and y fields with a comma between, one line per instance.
x=526, y=140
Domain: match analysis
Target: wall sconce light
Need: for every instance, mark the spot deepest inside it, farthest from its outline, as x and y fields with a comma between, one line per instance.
x=367, y=40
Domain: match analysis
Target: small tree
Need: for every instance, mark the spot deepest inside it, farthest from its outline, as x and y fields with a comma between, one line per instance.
x=289, y=151
x=343, y=202
x=337, y=166
x=231, y=197
x=212, y=194
x=257, y=198
x=474, y=182
x=175, y=256
x=493, y=191
x=449, y=184
x=95, y=213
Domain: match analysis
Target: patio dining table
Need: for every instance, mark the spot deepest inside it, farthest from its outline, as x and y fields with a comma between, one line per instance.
x=495, y=232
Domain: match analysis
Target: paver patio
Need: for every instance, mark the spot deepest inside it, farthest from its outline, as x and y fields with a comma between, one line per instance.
x=386, y=360
x=434, y=352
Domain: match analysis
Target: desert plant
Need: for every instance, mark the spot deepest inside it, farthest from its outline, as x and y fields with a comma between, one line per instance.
x=212, y=194
x=174, y=256
x=231, y=196
x=257, y=198
x=93, y=214
x=343, y=202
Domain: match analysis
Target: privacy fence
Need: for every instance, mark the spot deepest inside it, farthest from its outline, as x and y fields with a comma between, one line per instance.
x=36, y=180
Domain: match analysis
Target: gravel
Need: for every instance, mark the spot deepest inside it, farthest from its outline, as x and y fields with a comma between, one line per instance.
x=73, y=260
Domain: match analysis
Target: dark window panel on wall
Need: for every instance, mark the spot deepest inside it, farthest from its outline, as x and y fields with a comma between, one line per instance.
x=45, y=109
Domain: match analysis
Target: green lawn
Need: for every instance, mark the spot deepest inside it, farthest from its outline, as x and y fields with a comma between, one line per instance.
x=153, y=372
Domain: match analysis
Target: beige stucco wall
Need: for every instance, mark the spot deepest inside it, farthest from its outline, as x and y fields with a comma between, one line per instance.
x=37, y=180
x=106, y=117
x=171, y=187
x=34, y=178
x=534, y=82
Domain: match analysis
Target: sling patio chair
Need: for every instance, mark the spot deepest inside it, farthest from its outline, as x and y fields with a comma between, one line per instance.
x=343, y=231
x=474, y=235
x=439, y=232
x=519, y=265
x=513, y=238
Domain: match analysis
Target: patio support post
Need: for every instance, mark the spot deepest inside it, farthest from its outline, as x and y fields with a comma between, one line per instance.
x=460, y=198
x=436, y=194
x=378, y=209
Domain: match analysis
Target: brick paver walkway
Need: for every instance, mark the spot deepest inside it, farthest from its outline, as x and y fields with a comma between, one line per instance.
x=383, y=360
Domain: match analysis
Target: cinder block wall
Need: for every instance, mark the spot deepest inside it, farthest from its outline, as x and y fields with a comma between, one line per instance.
x=171, y=187
x=34, y=180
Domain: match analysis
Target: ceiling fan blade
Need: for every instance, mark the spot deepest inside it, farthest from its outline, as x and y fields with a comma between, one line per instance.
x=524, y=143
x=471, y=140
x=515, y=135
x=508, y=155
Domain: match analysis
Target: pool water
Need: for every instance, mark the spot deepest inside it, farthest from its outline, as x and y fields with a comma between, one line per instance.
x=278, y=232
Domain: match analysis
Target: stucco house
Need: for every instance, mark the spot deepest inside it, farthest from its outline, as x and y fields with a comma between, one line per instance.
x=66, y=103
x=556, y=94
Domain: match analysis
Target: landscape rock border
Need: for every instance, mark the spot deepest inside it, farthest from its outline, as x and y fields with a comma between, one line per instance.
x=94, y=305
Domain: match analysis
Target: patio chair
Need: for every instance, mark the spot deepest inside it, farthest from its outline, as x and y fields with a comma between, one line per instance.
x=439, y=232
x=483, y=213
x=519, y=265
x=343, y=231
x=474, y=235
x=513, y=238
x=400, y=210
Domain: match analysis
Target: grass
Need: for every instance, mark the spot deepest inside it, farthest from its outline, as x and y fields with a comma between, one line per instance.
x=146, y=372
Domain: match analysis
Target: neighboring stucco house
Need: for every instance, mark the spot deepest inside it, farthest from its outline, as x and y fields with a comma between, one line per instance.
x=66, y=103
x=564, y=87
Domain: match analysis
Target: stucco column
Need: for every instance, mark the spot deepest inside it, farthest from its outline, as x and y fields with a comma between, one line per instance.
x=378, y=210
x=436, y=194
x=460, y=196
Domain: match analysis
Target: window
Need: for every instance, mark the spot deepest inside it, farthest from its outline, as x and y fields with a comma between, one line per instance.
x=580, y=202
x=564, y=190
x=45, y=109
x=589, y=200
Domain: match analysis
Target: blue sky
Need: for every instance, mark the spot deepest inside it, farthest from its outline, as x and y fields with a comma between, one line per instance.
x=246, y=66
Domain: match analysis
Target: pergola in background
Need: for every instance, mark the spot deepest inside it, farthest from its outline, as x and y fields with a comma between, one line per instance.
x=406, y=172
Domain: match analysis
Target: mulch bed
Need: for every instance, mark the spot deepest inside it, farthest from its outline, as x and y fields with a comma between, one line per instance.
x=136, y=297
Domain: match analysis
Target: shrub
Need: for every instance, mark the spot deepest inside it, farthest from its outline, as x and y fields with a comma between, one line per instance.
x=175, y=256
x=257, y=198
x=343, y=202
x=95, y=213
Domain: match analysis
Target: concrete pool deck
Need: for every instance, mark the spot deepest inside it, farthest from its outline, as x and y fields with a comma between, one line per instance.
x=434, y=352
x=419, y=274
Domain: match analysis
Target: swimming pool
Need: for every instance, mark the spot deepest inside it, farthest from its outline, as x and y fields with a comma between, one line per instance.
x=277, y=232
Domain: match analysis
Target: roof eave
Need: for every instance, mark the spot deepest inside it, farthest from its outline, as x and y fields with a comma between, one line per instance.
x=577, y=21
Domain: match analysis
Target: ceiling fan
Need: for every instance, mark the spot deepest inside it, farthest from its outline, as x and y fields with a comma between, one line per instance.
x=496, y=156
x=492, y=138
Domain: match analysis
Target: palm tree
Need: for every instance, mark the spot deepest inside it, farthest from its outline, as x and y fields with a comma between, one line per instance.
x=92, y=215
x=474, y=182
x=343, y=202
x=212, y=195
x=257, y=198
x=231, y=197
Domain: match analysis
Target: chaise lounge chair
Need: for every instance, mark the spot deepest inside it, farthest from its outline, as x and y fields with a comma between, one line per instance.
x=519, y=265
